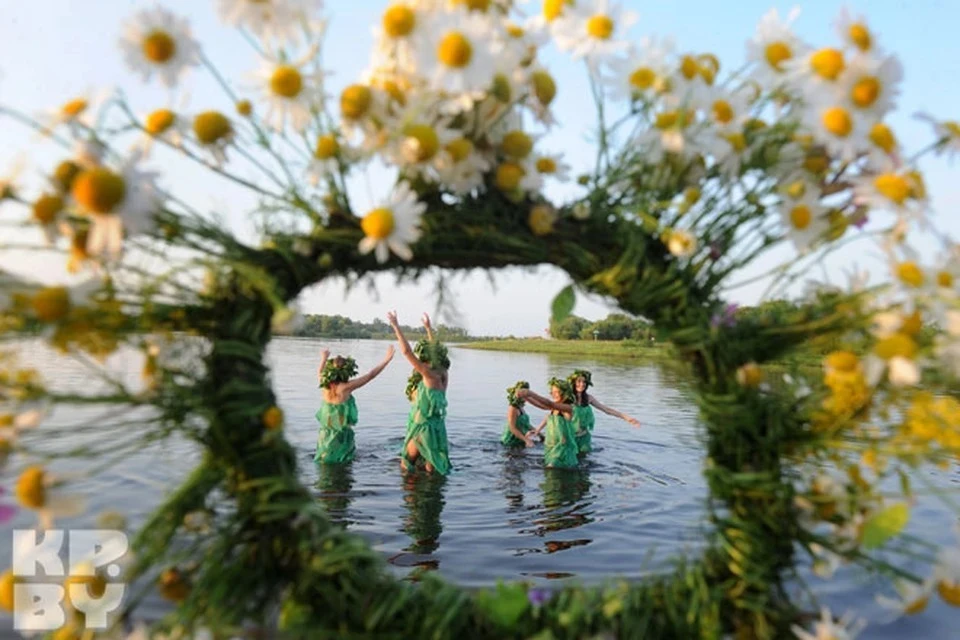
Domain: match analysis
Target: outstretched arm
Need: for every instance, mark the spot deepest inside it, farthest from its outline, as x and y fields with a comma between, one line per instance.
x=359, y=381
x=324, y=354
x=543, y=403
x=405, y=349
x=540, y=426
x=613, y=412
x=428, y=327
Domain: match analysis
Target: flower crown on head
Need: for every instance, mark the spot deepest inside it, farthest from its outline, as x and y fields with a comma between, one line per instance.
x=432, y=353
x=579, y=373
x=412, y=383
x=333, y=372
x=566, y=389
x=512, y=398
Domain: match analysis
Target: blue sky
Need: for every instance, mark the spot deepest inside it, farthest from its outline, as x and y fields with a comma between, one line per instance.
x=51, y=50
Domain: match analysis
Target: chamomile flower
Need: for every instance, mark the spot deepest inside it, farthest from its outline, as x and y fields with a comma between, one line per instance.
x=838, y=128
x=456, y=52
x=913, y=598
x=552, y=13
x=276, y=21
x=551, y=165
x=727, y=111
x=418, y=139
x=846, y=628
x=870, y=85
x=163, y=124
x=855, y=32
x=18, y=419
x=894, y=356
x=214, y=132
x=772, y=47
x=325, y=159
x=804, y=220
x=40, y=491
x=673, y=131
x=393, y=226
x=729, y=149
x=541, y=95
x=594, y=30
x=155, y=41
x=79, y=111
x=816, y=71
x=400, y=25
x=947, y=132
x=461, y=166
x=644, y=72
x=291, y=92
x=681, y=243
x=883, y=148
x=117, y=203
x=890, y=189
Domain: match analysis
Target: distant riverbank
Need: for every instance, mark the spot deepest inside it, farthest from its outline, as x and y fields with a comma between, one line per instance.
x=599, y=348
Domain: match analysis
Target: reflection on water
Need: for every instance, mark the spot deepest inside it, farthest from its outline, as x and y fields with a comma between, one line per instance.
x=335, y=484
x=423, y=499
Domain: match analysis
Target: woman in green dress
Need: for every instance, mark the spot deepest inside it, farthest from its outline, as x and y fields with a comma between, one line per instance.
x=518, y=432
x=338, y=413
x=560, y=445
x=583, y=418
x=426, y=437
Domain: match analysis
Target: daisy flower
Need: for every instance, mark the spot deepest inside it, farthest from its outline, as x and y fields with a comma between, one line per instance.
x=276, y=21
x=947, y=132
x=841, y=130
x=456, y=52
x=214, y=132
x=400, y=25
x=854, y=32
x=552, y=166
x=870, y=85
x=393, y=226
x=729, y=149
x=47, y=212
x=163, y=124
x=816, y=72
x=913, y=598
x=681, y=243
x=157, y=41
x=42, y=492
x=846, y=628
x=774, y=45
x=79, y=111
x=52, y=304
x=895, y=356
x=542, y=93
x=117, y=203
x=461, y=166
x=890, y=189
x=325, y=158
x=418, y=140
x=727, y=111
x=593, y=29
x=644, y=72
x=673, y=131
x=804, y=220
x=22, y=418
x=552, y=12
x=516, y=178
x=290, y=92
x=883, y=148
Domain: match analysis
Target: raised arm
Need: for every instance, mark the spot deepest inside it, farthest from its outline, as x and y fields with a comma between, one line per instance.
x=359, y=381
x=613, y=412
x=428, y=327
x=324, y=354
x=543, y=403
x=405, y=349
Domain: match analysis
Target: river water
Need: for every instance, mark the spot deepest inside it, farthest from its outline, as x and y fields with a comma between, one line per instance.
x=635, y=503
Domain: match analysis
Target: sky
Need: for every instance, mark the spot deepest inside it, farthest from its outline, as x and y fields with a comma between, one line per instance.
x=51, y=51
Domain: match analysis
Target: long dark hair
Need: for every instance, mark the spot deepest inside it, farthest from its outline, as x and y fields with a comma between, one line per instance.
x=581, y=399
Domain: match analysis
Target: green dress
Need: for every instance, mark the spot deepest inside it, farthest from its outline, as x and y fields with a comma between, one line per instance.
x=560, y=445
x=523, y=426
x=583, y=421
x=335, y=440
x=426, y=427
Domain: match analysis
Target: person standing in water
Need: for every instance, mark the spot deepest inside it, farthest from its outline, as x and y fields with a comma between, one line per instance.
x=560, y=445
x=583, y=418
x=518, y=432
x=426, y=438
x=338, y=413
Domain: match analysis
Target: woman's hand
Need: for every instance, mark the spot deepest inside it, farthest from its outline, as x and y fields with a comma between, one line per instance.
x=426, y=321
x=633, y=421
x=528, y=438
x=324, y=354
x=392, y=318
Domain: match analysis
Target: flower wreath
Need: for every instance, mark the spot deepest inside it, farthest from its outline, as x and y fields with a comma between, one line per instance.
x=333, y=372
x=512, y=398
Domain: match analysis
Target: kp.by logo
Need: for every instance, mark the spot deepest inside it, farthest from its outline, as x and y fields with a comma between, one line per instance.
x=37, y=604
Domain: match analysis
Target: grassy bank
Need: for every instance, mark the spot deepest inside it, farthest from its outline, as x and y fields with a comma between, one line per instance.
x=596, y=348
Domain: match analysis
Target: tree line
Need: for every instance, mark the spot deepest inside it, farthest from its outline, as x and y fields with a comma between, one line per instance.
x=616, y=326
x=341, y=327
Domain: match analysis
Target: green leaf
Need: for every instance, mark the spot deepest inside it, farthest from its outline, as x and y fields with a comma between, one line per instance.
x=885, y=524
x=563, y=303
x=506, y=605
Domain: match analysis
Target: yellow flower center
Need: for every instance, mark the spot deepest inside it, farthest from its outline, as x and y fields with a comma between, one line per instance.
x=737, y=141
x=945, y=279
x=912, y=324
x=643, y=78
x=722, y=111
x=882, y=136
x=866, y=91
x=509, y=175
x=355, y=101
x=517, y=144
x=953, y=128
x=65, y=173
x=31, y=491
x=399, y=20
x=892, y=186
x=860, y=36
x=273, y=418
x=74, y=108
x=99, y=190
x=691, y=195
x=515, y=30
x=159, y=121
x=669, y=119
x=750, y=375
x=600, y=26
x=46, y=208
x=949, y=592
x=918, y=189
x=378, y=224
x=899, y=344
x=909, y=273
x=843, y=361
x=460, y=149
x=544, y=87
x=541, y=219
x=777, y=53
x=455, y=50
x=51, y=303
x=211, y=126
x=159, y=47
x=244, y=108
x=286, y=81
x=473, y=5
x=827, y=63
x=424, y=139
x=800, y=217
x=553, y=9
x=327, y=147
x=816, y=162
x=837, y=121
x=546, y=166
x=915, y=607
x=689, y=67
x=501, y=89
x=796, y=189
x=7, y=580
